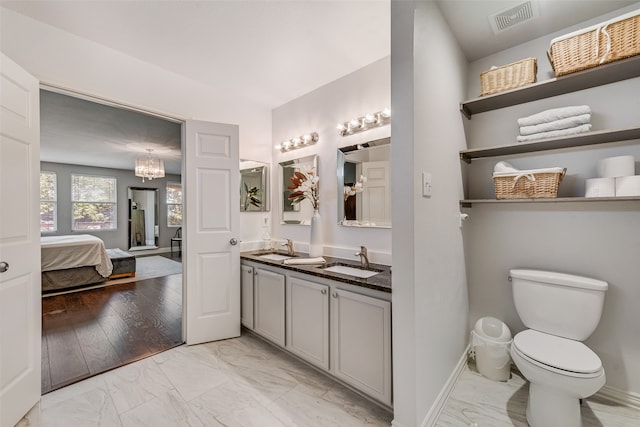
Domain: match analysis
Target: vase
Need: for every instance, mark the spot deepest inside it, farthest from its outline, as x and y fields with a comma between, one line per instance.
x=315, y=237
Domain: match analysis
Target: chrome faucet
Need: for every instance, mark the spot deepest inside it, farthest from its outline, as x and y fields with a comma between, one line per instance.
x=364, y=259
x=289, y=245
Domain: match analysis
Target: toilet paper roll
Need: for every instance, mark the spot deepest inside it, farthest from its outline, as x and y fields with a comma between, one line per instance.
x=628, y=186
x=613, y=167
x=600, y=187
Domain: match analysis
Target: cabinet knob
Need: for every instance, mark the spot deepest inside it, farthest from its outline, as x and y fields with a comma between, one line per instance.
x=4, y=266
x=323, y=291
x=335, y=295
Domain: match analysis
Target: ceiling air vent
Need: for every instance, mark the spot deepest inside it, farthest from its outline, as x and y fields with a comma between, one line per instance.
x=513, y=16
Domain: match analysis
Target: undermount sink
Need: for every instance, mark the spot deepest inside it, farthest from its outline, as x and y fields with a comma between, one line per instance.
x=275, y=257
x=351, y=271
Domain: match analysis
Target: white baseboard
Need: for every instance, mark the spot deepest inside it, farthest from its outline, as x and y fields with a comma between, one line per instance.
x=624, y=398
x=433, y=414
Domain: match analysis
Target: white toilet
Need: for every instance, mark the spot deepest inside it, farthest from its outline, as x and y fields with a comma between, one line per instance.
x=561, y=310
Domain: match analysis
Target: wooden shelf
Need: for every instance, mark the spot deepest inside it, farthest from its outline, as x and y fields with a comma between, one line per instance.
x=597, y=76
x=580, y=140
x=467, y=203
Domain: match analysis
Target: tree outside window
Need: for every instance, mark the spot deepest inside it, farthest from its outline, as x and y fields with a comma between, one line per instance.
x=48, y=202
x=174, y=204
x=94, y=202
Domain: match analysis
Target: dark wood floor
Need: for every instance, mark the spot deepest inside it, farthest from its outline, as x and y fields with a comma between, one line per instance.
x=88, y=332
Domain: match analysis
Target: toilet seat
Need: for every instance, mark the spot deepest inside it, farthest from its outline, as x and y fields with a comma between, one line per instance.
x=561, y=355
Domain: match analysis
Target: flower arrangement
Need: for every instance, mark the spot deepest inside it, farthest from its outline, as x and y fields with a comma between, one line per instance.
x=356, y=188
x=251, y=196
x=304, y=186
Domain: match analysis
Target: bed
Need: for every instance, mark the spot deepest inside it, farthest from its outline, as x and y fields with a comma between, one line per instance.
x=71, y=261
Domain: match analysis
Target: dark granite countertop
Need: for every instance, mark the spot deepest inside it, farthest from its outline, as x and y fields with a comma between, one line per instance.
x=379, y=282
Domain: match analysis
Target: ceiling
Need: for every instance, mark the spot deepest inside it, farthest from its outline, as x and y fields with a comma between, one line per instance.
x=266, y=52
x=470, y=23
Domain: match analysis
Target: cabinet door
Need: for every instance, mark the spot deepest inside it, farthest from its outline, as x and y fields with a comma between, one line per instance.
x=308, y=321
x=246, y=294
x=268, y=288
x=361, y=343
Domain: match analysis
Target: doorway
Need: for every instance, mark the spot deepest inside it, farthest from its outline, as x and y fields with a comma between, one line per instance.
x=90, y=331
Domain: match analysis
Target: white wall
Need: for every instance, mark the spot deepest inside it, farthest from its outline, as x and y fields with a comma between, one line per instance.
x=598, y=240
x=366, y=90
x=427, y=239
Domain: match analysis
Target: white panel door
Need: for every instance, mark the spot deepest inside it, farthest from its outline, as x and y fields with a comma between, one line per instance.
x=211, y=180
x=308, y=320
x=376, y=194
x=20, y=300
x=361, y=342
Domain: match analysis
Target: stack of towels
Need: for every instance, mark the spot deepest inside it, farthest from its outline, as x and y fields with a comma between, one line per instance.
x=555, y=123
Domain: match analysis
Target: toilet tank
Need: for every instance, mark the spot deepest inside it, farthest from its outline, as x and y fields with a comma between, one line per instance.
x=556, y=303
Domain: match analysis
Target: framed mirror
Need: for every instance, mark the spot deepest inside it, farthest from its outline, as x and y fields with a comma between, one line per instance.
x=364, y=184
x=143, y=218
x=254, y=186
x=299, y=213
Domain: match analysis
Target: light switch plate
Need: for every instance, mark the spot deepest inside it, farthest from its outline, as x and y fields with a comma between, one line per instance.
x=426, y=184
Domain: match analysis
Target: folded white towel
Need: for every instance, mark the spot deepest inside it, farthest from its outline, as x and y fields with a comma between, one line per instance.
x=501, y=167
x=554, y=114
x=565, y=123
x=302, y=261
x=555, y=133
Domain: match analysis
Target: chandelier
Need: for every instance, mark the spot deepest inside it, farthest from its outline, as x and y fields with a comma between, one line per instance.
x=149, y=167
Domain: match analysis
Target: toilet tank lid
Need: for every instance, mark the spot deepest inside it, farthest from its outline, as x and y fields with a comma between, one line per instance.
x=562, y=279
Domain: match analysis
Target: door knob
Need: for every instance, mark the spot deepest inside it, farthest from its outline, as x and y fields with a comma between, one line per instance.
x=4, y=266
x=233, y=241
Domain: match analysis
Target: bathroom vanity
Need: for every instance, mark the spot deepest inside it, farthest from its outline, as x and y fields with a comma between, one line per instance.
x=336, y=321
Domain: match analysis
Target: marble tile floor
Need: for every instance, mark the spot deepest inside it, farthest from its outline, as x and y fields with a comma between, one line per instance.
x=487, y=403
x=247, y=382
x=237, y=382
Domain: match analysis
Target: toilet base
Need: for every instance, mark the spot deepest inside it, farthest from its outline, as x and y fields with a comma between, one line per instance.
x=548, y=408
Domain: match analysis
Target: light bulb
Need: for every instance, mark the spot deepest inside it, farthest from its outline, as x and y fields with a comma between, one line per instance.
x=341, y=127
x=369, y=118
x=386, y=113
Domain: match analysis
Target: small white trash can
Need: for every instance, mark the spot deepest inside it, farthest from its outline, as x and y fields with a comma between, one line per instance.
x=491, y=342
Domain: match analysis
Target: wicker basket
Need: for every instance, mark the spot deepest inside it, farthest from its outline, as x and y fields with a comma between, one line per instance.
x=508, y=76
x=531, y=184
x=607, y=42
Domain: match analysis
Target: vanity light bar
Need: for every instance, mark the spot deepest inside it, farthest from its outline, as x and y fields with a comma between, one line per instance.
x=366, y=122
x=302, y=141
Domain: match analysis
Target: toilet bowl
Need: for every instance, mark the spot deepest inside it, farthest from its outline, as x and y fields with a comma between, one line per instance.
x=560, y=311
x=560, y=372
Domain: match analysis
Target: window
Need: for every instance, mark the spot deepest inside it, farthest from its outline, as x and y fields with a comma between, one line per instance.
x=174, y=204
x=48, y=202
x=94, y=202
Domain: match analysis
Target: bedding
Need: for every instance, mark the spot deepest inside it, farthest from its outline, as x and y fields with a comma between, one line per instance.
x=69, y=261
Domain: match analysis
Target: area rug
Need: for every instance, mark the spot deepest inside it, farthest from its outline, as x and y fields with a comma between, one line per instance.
x=147, y=267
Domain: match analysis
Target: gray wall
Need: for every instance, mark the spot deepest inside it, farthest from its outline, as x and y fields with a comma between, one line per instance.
x=430, y=306
x=596, y=239
x=112, y=238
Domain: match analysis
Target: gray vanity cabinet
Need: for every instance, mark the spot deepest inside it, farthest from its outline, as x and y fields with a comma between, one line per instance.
x=361, y=342
x=308, y=321
x=246, y=296
x=269, y=305
x=343, y=329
